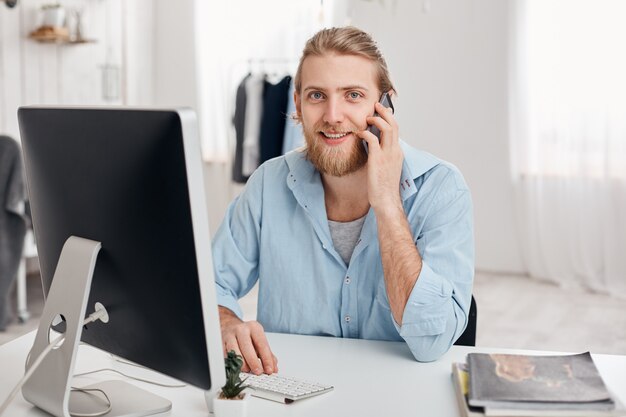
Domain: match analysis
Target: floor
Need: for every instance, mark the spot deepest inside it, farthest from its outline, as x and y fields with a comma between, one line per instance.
x=513, y=312
x=35, y=307
x=518, y=312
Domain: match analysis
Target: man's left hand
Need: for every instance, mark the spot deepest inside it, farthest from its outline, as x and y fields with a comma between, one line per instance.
x=384, y=164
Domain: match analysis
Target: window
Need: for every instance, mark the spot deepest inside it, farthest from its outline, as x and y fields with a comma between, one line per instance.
x=569, y=89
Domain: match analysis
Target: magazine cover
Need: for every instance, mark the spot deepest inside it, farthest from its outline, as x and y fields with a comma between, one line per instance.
x=503, y=377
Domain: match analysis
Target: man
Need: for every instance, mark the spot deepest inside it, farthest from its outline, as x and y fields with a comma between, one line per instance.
x=343, y=243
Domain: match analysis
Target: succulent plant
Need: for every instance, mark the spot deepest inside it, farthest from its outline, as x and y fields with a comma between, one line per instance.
x=234, y=384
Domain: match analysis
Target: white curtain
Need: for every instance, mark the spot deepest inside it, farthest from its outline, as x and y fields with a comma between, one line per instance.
x=568, y=131
x=228, y=34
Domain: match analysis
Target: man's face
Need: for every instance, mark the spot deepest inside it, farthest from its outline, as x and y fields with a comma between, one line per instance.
x=338, y=93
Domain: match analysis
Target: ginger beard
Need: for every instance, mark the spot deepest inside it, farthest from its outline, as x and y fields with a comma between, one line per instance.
x=339, y=160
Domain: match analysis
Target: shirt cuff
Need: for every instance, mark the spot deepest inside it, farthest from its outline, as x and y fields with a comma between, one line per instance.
x=427, y=309
x=228, y=301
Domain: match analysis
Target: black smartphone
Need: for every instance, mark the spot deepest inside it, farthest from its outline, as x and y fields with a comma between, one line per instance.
x=385, y=100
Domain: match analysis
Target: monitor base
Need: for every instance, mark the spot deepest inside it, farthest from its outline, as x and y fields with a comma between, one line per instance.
x=126, y=399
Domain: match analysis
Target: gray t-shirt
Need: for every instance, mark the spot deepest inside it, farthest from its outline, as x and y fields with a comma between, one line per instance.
x=345, y=235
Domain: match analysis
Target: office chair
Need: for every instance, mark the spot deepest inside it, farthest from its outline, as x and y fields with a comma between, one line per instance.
x=12, y=223
x=468, y=338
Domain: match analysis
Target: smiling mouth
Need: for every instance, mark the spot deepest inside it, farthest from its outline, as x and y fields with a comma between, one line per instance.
x=335, y=135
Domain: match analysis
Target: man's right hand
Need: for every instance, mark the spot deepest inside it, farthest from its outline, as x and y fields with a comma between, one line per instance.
x=247, y=338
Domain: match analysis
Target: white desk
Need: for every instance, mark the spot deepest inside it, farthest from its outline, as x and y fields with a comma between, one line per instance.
x=371, y=378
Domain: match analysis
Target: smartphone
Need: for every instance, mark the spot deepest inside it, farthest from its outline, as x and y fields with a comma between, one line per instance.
x=385, y=100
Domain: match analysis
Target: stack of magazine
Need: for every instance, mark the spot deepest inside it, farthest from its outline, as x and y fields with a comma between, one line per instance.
x=501, y=385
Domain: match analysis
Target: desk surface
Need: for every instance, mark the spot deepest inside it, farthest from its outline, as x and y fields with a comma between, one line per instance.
x=371, y=378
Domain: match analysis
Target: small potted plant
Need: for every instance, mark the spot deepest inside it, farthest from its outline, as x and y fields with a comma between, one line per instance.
x=231, y=401
x=53, y=15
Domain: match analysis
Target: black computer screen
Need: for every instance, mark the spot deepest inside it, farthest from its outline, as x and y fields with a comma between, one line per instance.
x=119, y=177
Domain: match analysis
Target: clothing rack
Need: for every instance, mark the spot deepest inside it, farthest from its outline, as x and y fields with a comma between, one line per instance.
x=261, y=104
x=287, y=60
x=282, y=64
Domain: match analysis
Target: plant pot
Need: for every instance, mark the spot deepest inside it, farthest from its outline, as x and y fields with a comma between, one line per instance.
x=230, y=408
x=54, y=16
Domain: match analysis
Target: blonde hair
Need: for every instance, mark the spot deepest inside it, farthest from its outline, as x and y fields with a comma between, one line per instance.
x=347, y=40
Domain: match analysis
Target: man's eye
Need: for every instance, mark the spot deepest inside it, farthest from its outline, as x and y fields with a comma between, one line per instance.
x=354, y=95
x=316, y=95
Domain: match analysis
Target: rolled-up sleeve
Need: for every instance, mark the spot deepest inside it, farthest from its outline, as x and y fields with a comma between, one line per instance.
x=438, y=307
x=236, y=248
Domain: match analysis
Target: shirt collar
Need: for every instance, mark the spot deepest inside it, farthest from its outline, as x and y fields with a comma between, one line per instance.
x=300, y=168
x=416, y=163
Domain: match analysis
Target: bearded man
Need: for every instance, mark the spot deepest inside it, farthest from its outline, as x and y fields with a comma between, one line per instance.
x=343, y=242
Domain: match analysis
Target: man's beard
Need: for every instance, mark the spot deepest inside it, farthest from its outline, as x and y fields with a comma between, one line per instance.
x=333, y=160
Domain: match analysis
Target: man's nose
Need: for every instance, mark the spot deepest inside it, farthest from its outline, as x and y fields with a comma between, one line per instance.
x=334, y=112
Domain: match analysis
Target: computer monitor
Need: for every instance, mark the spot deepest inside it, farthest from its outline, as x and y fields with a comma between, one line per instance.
x=131, y=179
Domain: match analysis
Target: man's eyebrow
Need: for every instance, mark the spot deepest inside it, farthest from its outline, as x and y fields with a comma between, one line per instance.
x=312, y=87
x=349, y=87
x=355, y=87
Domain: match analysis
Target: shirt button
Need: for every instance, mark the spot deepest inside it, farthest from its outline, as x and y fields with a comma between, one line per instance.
x=347, y=280
x=347, y=319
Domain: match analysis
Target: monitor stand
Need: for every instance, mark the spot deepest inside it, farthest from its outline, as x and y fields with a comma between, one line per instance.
x=50, y=386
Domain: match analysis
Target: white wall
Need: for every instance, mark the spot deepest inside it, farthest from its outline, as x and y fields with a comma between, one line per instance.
x=174, y=58
x=448, y=59
x=37, y=73
x=138, y=51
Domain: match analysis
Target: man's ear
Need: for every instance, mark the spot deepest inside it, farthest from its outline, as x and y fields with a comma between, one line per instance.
x=298, y=102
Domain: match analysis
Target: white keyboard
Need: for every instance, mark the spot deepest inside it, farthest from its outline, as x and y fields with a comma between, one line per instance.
x=281, y=388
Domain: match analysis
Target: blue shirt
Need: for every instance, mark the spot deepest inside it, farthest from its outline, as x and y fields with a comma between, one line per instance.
x=277, y=232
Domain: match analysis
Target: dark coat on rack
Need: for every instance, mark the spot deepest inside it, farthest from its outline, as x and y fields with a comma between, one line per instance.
x=239, y=120
x=275, y=100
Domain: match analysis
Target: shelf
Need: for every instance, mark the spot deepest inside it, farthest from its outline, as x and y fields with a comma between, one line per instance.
x=61, y=41
x=56, y=35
